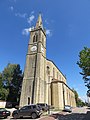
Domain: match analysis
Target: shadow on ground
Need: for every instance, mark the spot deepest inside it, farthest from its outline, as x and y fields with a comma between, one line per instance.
x=26, y=118
x=71, y=116
x=65, y=116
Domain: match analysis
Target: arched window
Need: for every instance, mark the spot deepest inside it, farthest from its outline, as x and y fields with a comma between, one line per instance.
x=48, y=70
x=34, y=38
x=28, y=100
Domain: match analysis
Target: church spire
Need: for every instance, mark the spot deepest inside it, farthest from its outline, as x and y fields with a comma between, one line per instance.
x=39, y=22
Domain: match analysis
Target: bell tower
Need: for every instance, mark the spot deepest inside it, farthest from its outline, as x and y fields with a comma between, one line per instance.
x=34, y=81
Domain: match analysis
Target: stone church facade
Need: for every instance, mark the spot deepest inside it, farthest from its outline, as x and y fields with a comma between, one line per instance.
x=43, y=82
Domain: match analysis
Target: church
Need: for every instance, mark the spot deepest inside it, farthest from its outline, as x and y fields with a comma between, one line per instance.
x=43, y=82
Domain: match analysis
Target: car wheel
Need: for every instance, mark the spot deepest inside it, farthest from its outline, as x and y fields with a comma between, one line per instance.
x=43, y=109
x=5, y=117
x=34, y=115
x=21, y=117
x=16, y=116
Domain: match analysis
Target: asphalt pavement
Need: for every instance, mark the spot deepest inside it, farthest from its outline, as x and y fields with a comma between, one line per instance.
x=87, y=117
x=82, y=113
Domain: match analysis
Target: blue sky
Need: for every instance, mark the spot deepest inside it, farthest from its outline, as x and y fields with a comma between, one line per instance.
x=67, y=23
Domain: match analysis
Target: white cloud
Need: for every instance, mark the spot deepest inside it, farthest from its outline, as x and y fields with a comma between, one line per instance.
x=11, y=8
x=32, y=12
x=30, y=19
x=48, y=32
x=26, y=31
x=46, y=21
x=21, y=15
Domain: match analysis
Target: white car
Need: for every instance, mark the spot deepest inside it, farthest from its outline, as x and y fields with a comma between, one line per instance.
x=67, y=108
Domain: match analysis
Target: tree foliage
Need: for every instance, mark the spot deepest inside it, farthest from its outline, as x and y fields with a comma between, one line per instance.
x=84, y=64
x=10, y=82
x=3, y=92
x=79, y=102
x=1, y=81
x=76, y=95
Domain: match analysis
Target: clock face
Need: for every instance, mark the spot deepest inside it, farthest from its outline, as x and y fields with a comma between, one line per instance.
x=34, y=48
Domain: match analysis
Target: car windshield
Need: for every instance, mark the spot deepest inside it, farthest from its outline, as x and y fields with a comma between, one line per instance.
x=23, y=108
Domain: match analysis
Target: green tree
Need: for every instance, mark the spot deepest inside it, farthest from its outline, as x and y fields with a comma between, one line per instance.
x=12, y=79
x=1, y=81
x=84, y=64
x=76, y=95
x=3, y=92
x=79, y=102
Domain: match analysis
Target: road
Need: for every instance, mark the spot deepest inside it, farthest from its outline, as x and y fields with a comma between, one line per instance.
x=77, y=114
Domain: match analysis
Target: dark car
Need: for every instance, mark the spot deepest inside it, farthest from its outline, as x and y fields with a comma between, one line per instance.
x=44, y=106
x=33, y=111
x=4, y=113
x=67, y=108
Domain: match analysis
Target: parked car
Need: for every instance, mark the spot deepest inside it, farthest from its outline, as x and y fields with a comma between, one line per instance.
x=44, y=106
x=33, y=111
x=67, y=108
x=4, y=113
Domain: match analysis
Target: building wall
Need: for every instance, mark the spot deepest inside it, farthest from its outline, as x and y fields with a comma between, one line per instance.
x=2, y=104
x=57, y=95
x=55, y=73
x=61, y=94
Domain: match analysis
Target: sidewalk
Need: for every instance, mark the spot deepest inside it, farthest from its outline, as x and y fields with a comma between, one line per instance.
x=53, y=115
x=77, y=114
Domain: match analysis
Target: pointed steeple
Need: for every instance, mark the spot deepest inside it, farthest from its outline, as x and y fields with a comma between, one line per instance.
x=39, y=22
